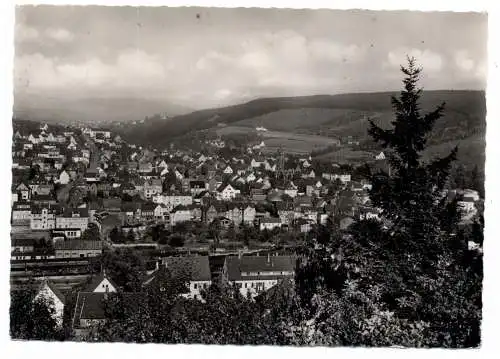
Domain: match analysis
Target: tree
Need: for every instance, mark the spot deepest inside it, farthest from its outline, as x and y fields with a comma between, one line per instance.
x=32, y=319
x=92, y=233
x=402, y=280
x=116, y=235
x=418, y=248
x=130, y=236
x=126, y=267
x=176, y=241
x=477, y=181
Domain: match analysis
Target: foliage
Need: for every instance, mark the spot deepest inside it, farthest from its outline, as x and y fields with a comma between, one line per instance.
x=116, y=235
x=410, y=279
x=92, y=233
x=32, y=319
x=126, y=268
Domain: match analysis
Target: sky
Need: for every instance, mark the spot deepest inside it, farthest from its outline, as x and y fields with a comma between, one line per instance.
x=208, y=57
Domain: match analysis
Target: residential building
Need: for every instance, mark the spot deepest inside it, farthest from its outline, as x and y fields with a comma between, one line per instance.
x=43, y=217
x=77, y=248
x=269, y=223
x=227, y=192
x=194, y=270
x=73, y=218
x=256, y=274
x=49, y=293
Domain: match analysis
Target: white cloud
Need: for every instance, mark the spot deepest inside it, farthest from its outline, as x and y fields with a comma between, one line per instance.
x=222, y=94
x=464, y=61
x=429, y=60
x=132, y=70
x=59, y=34
x=327, y=50
x=25, y=33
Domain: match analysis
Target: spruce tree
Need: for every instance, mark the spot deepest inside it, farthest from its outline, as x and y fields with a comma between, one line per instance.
x=411, y=197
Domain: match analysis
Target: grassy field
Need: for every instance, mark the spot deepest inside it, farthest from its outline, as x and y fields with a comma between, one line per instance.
x=347, y=155
x=288, y=141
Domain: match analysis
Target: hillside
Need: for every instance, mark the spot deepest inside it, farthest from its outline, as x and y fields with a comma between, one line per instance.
x=328, y=115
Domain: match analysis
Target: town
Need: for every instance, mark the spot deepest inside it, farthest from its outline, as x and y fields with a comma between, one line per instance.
x=79, y=193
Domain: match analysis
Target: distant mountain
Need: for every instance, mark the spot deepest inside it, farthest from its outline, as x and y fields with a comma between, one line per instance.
x=96, y=111
x=331, y=115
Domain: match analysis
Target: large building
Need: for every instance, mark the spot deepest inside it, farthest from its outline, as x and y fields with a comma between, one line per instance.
x=73, y=218
x=256, y=274
x=77, y=248
x=194, y=270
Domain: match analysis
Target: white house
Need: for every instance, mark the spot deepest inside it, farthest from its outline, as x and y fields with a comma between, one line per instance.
x=227, y=192
x=49, y=293
x=73, y=218
x=193, y=271
x=256, y=274
x=172, y=201
x=228, y=170
x=42, y=218
x=250, y=178
x=180, y=214
x=269, y=223
x=64, y=177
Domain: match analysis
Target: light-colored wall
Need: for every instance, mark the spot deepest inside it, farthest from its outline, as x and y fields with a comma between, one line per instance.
x=101, y=288
x=47, y=294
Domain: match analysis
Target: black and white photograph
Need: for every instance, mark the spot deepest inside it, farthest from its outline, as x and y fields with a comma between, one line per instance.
x=248, y=176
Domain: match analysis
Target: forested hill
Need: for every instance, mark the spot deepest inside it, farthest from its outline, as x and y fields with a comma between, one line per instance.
x=464, y=115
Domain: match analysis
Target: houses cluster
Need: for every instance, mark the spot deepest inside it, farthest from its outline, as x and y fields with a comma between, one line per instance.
x=96, y=174
x=190, y=276
x=67, y=183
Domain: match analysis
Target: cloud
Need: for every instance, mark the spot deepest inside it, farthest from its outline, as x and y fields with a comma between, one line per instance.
x=25, y=33
x=59, y=34
x=132, y=69
x=429, y=60
x=464, y=61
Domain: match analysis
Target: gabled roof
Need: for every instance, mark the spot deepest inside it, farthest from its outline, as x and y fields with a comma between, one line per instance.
x=196, y=268
x=98, y=280
x=53, y=289
x=258, y=264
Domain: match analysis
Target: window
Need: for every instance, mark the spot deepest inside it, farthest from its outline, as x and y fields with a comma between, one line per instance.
x=195, y=286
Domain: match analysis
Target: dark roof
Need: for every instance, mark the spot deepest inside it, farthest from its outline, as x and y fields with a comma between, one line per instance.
x=270, y=220
x=89, y=306
x=78, y=244
x=196, y=267
x=82, y=212
x=148, y=206
x=22, y=242
x=235, y=265
x=29, y=236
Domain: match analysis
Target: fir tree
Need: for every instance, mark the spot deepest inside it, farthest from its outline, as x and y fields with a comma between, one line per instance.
x=411, y=197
